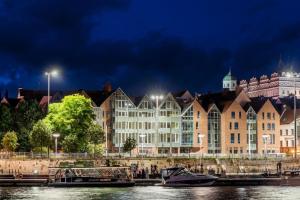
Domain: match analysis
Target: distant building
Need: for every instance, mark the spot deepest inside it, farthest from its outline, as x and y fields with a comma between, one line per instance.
x=229, y=82
x=275, y=86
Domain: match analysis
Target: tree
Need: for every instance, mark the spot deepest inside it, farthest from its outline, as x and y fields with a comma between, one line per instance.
x=96, y=135
x=10, y=141
x=6, y=119
x=129, y=145
x=72, y=118
x=25, y=116
x=40, y=136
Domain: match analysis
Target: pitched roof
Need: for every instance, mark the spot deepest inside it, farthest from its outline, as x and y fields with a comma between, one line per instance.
x=97, y=96
x=288, y=116
x=13, y=102
x=256, y=103
x=221, y=99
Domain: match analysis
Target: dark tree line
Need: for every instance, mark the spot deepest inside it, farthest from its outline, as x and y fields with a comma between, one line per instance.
x=20, y=119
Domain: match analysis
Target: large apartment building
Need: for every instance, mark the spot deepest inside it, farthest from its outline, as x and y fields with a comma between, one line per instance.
x=214, y=123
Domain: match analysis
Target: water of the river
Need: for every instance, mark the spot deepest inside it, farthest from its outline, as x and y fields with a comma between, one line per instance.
x=153, y=192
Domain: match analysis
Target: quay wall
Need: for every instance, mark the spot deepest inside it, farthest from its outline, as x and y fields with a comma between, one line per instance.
x=41, y=166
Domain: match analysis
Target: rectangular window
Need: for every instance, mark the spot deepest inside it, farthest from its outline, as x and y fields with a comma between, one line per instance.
x=273, y=126
x=280, y=143
x=236, y=125
x=280, y=132
x=263, y=126
x=287, y=143
x=286, y=132
x=263, y=115
x=268, y=115
x=232, y=138
x=197, y=125
x=292, y=131
x=232, y=115
x=293, y=143
x=230, y=125
x=239, y=138
x=240, y=114
x=269, y=126
x=198, y=114
x=273, y=115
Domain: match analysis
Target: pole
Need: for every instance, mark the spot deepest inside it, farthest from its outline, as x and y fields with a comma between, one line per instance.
x=48, y=74
x=55, y=145
x=106, y=146
x=295, y=124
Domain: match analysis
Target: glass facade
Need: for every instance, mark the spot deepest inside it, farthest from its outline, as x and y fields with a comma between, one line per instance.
x=140, y=119
x=214, y=130
x=252, y=124
x=188, y=127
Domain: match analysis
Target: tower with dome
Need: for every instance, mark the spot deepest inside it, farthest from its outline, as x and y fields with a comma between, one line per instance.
x=229, y=82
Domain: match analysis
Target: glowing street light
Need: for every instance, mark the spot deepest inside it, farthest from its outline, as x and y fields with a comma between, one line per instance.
x=49, y=74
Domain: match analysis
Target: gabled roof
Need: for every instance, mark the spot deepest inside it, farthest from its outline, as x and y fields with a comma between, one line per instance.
x=288, y=116
x=256, y=103
x=13, y=102
x=97, y=96
x=221, y=99
x=136, y=100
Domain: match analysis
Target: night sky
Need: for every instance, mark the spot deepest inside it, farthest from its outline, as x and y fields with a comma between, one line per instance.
x=144, y=46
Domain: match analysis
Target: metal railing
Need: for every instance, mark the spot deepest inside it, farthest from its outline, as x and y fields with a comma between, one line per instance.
x=31, y=155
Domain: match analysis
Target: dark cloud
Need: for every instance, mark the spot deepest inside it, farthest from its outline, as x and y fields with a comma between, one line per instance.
x=38, y=33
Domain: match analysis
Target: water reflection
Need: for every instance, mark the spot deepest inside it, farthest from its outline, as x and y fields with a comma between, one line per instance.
x=151, y=193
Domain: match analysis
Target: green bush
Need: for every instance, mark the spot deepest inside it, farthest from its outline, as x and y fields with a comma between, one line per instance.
x=38, y=150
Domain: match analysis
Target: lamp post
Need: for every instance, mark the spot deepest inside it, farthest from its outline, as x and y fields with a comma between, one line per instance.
x=293, y=75
x=265, y=139
x=49, y=74
x=56, y=135
x=156, y=98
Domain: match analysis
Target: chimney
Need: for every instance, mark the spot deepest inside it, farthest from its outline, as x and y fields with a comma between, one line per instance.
x=107, y=87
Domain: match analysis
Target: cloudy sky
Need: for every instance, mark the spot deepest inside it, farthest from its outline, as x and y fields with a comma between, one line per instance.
x=144, y=46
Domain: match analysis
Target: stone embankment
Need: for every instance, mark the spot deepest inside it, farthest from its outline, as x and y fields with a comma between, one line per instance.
x=41, y=166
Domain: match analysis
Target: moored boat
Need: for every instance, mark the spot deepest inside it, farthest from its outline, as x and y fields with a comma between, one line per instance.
x=90, y=177
x=181, y=177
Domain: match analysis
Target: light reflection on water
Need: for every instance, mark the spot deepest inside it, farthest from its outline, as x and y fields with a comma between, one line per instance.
x=151, y=192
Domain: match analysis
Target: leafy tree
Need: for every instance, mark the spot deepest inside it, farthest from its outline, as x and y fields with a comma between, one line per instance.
x=129, y=145
x=6, y=119
x=25, y=116
x=97, y=149
x=96, y=135
x=72, y=118
x=40, y=136
x=10, y=141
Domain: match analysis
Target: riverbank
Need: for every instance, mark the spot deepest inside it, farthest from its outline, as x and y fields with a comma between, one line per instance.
x=229, y=165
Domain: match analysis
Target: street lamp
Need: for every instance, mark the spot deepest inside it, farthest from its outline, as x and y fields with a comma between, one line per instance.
x=56, y=135
x=265, y=138
x=293, y=75
x=49, y=74
x=157, y=98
